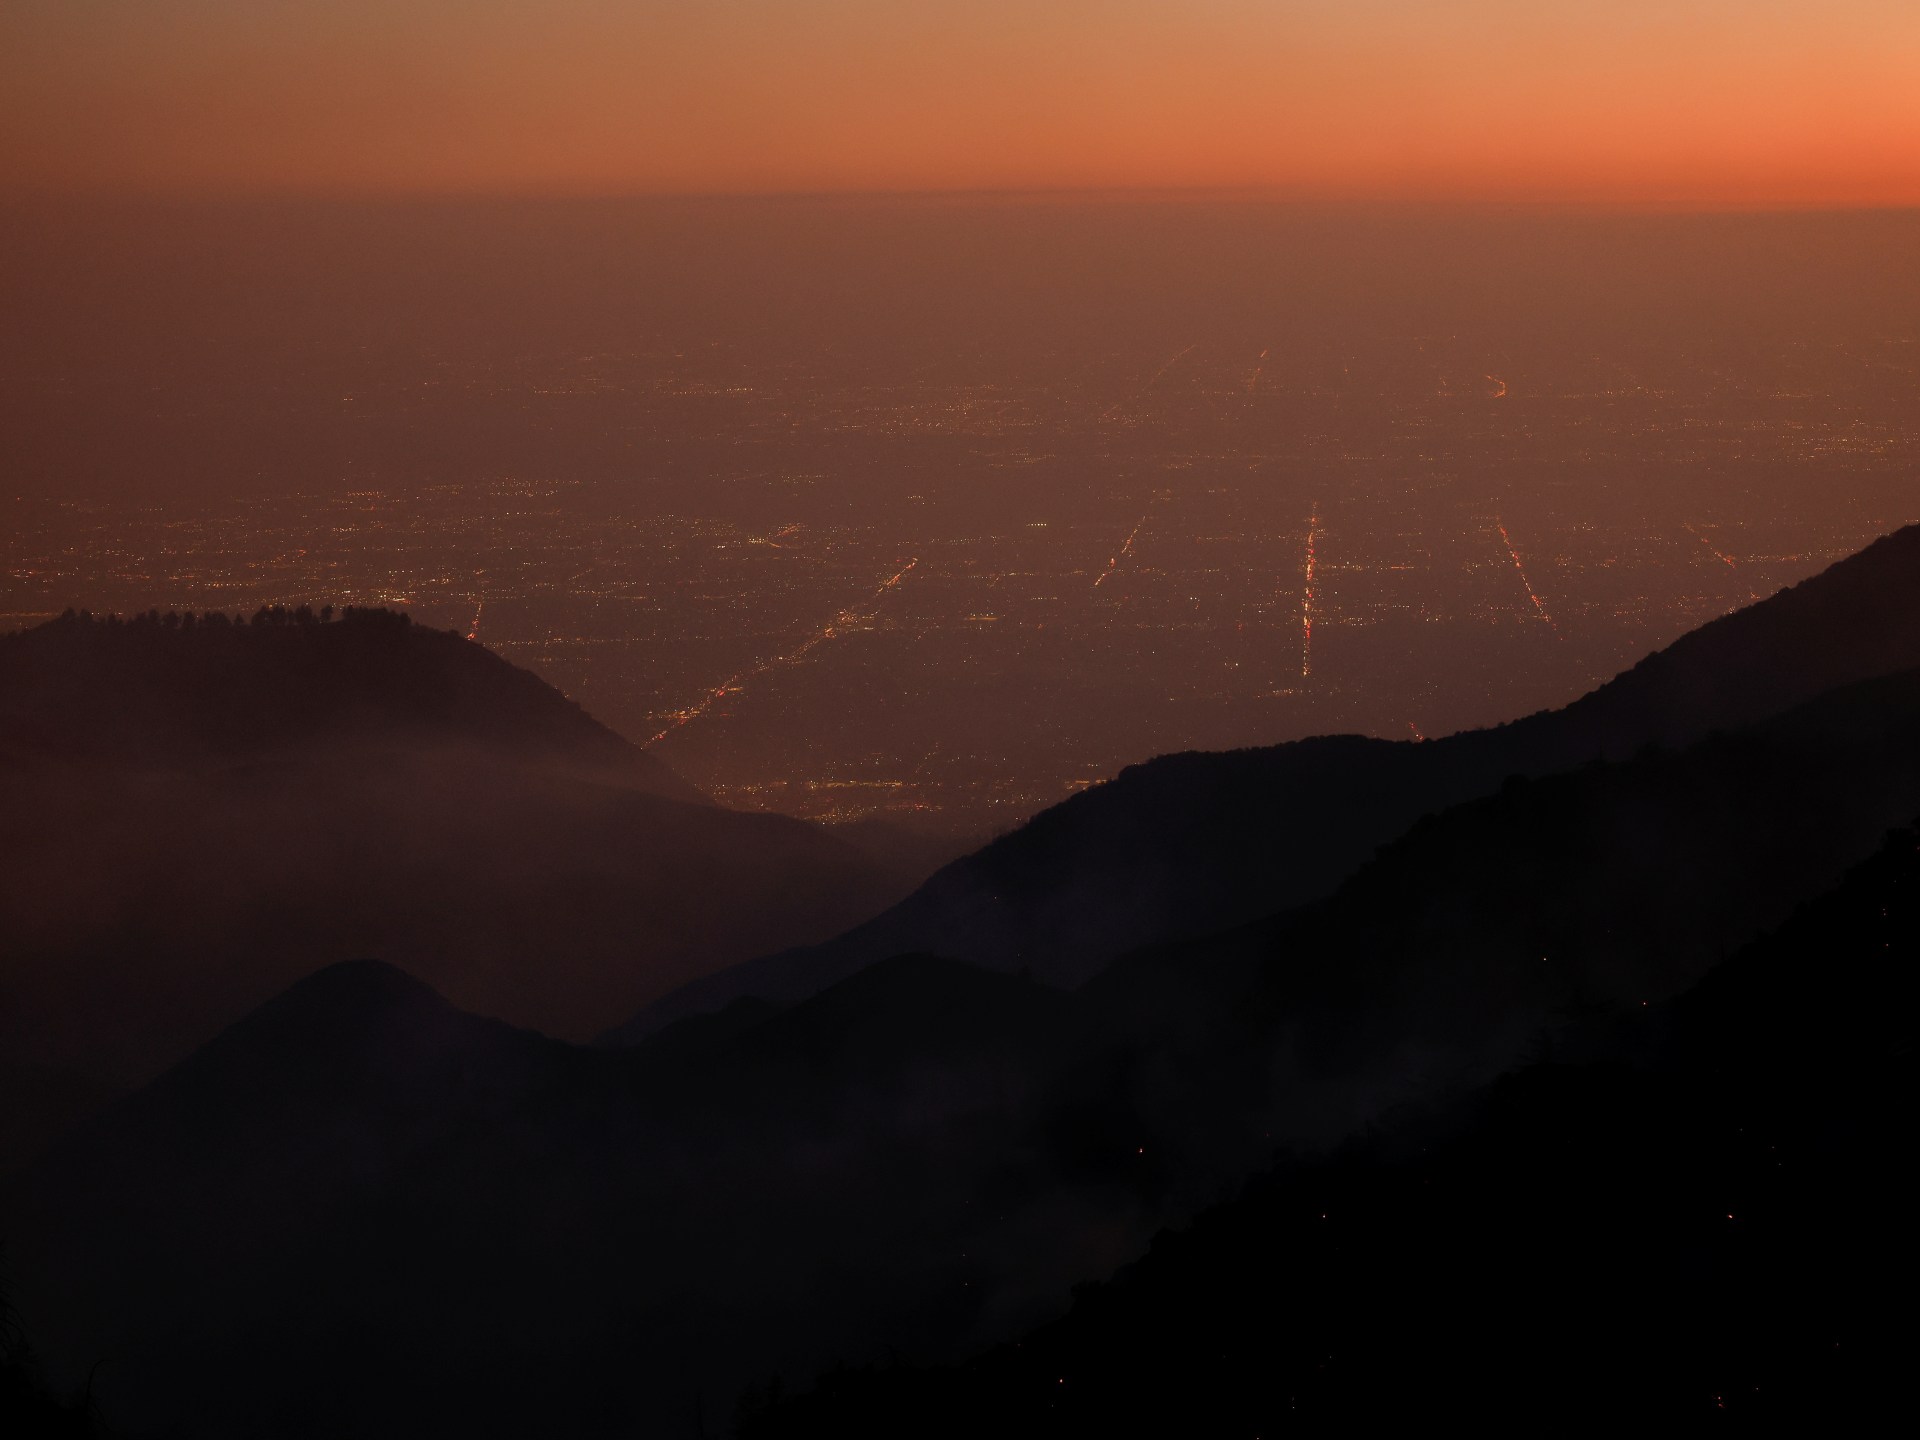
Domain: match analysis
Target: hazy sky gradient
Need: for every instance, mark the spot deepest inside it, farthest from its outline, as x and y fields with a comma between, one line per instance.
x=1687, y=101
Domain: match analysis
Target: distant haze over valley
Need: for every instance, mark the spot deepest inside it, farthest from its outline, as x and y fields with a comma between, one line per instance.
x=941, y=510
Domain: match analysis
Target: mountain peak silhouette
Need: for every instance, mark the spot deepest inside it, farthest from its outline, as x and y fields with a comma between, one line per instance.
x=351, y=991
x=193, y=815
x=1858, y=618
x=1198, y=841
x=362, y=1193
x=159, y=690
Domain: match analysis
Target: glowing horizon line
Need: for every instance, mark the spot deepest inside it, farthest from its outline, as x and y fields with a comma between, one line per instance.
x=1544, y=199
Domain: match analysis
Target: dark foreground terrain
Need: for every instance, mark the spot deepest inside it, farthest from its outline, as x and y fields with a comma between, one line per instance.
x=1569, y=1071
x=1694, y=1218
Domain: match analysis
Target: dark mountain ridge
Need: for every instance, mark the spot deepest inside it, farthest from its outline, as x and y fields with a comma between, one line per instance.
x=1701, y=1226
x=359, y=1197
x=418, y=1176
x=1469, y=943
x=1193, y=842
x=192, y=815
x=178, y=691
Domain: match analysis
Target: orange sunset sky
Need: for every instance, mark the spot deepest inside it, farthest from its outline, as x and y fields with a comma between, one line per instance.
x=1707, y=102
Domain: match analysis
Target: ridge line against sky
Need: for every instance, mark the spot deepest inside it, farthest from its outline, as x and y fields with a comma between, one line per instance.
x=1709, y=103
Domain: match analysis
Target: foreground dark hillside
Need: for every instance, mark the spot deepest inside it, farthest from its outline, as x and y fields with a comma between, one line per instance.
x=29, y=1407
x=1704, y=1226
x=1468, y=944
x=193, y=815
x=1195, y=842
x=361, y=1209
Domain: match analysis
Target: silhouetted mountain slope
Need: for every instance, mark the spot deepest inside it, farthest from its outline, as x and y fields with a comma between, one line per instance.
x=490, y=1233
x=1712, y=1233
x=1470, y=942
x=192, y=817
x=1857, y=619
x=29, y=1409
x=917, y=847
x=214, y=1196
x=357, y=1036
x=345, y=1211
x=1184, y=836
x=1192, y=842
x=914, y=1008
x=318, y=1096
x=147, y=692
